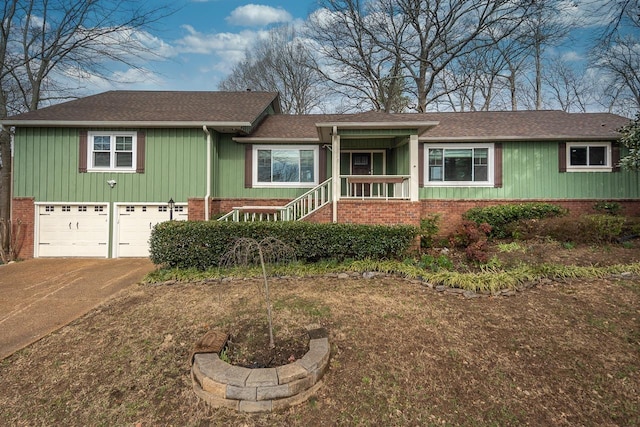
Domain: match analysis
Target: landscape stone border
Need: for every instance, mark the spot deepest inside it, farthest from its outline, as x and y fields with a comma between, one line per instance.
x=222, y=385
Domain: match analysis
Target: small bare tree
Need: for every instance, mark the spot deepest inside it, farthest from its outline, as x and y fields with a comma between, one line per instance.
x=10, y=240
x=247, y=251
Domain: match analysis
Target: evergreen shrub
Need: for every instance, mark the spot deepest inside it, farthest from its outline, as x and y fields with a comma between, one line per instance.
x=200, y=244
x=499, y=216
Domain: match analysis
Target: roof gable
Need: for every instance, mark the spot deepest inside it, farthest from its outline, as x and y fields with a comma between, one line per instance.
x=171, y=108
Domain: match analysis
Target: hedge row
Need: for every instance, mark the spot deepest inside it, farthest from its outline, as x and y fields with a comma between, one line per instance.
x=499, y=216
x=199, y=244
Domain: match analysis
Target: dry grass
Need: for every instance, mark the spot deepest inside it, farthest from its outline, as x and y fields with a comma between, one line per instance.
x=402, y=354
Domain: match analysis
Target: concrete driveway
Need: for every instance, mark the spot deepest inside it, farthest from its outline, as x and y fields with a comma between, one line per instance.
x=39, y=296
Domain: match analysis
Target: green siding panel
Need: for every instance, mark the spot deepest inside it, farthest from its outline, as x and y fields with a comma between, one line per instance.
x=231, y=176
x=174, y=167
x=530, y=171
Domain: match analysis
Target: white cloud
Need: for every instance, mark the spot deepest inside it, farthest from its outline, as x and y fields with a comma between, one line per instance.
x=256, y=15
x=230, y=45
x=572, y=56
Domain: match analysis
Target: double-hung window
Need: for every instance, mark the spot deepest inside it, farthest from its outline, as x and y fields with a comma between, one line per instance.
x=594, y=157
x=112, y=151
x=459, y=164
x=285, y=166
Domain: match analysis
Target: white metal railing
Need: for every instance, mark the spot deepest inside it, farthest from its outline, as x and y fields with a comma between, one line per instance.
x=376, y=186
x=295, y=210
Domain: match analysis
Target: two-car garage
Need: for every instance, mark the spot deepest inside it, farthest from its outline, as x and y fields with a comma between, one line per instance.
x=83, y=229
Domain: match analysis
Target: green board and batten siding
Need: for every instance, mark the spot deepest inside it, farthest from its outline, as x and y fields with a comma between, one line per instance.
x=530, y=171
x=175, y=166
x=230, y=175
x=175, y=163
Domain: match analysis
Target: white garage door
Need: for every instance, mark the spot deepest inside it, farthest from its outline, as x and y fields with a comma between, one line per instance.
x=134, y=224
x=72, y=231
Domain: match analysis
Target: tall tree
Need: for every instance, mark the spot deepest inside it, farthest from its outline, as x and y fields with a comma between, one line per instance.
x=425, y=36
x=620, y=67
x=282, y=63
x=44, y=42
x=567, y=86
x=546, y=25
x=360, y=71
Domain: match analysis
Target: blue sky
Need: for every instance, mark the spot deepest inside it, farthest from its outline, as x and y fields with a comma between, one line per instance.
x=203, y=40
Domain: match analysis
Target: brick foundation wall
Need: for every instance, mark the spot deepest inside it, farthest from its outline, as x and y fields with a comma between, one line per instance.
x=323, y=215
x=23, y=211
x=451, y=210
x=381, y=212
x=397, y=211
x=196, y=209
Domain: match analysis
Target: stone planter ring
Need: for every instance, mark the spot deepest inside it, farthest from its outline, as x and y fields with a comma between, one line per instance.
x=263, y=389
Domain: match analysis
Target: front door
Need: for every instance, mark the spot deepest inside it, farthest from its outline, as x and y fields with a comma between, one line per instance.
x=361, y=164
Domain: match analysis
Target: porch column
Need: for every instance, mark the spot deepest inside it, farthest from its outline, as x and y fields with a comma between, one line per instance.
x=414, y=181
x=335, y=170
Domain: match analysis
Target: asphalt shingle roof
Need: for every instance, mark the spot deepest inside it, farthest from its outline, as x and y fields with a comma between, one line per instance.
x=496, y=125
x=175, y=108
x=518, y=125
x=155, y=106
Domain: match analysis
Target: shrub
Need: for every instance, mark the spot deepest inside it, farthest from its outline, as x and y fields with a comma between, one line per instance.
x=428, y=229
x=473, y=237
x=611, y=208
x=433, y=263
x=584, y=229
x=499, y=216
x=199, y=244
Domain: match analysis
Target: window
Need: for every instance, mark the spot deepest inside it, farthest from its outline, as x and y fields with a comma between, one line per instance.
x=594, y=157
x=459, y=165
x=112, y=151
x=285, y=166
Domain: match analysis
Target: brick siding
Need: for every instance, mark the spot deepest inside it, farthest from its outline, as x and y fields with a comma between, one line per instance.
x=23, y=211
x=451, y=210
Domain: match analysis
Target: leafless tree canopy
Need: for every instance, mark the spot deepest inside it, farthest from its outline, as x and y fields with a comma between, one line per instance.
x=281, y=63
x=48, y=46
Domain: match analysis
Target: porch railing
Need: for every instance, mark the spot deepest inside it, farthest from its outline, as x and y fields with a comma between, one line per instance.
x=295, y=210
x=376, y=186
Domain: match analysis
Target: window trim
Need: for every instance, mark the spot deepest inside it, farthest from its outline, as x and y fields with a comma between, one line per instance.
x=112, y=135
x=609, y=152
x=254, y=166
x=491, y=164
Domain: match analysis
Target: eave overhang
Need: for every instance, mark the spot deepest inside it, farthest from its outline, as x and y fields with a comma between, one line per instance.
x=507, y=138
x=224, y=127
x=325, y=128
x=271, y=140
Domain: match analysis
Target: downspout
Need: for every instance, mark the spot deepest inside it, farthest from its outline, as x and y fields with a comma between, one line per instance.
x=208, y=195
x=12, y=135
x=335, y=171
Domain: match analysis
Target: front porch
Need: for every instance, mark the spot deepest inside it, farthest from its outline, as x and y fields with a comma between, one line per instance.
x=370, y=160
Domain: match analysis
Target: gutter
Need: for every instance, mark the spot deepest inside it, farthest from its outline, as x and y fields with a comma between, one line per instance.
x=119, y=123
x=208, y=194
